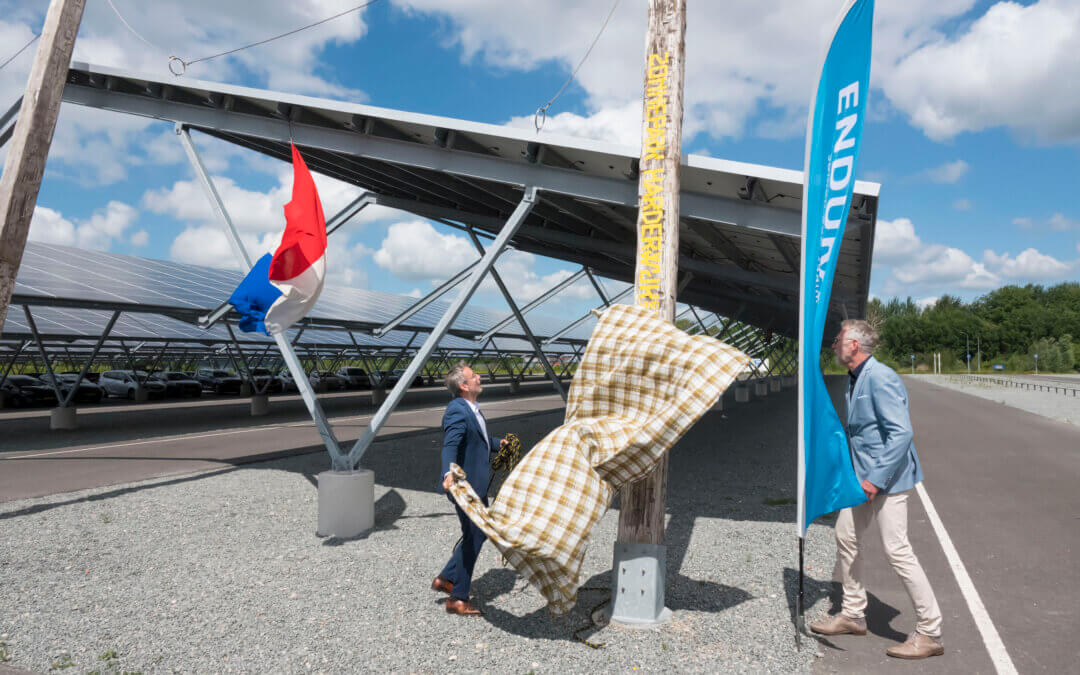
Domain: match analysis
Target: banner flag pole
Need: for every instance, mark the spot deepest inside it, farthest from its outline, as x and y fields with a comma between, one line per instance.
x=826, y=478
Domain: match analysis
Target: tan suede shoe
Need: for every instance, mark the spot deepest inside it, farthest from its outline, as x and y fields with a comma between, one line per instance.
x=917, y=646
x=838, y=624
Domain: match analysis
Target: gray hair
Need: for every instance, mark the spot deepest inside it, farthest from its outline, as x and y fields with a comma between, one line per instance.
x=864, y=332
x=455, y=378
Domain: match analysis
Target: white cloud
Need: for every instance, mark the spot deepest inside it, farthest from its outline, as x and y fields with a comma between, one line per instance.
x=1028, y=265
x=923, y=303
x=1060, y=223
x=414, y=293
x=413, y=250
x=98, y=147
x=1006, y=69
x=617, y=124
x=96, y=232
x=895, y=241
x=962, y=205
x=950, y=172
x=1024, y=222
x=763, y=63
x=943, y=266
x=140, y=238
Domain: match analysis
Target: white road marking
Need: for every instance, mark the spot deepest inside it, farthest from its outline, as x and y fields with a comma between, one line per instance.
x=994, y=645
x=185, y=437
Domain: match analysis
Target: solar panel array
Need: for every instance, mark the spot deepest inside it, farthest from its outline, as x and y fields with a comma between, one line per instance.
x=63, y=277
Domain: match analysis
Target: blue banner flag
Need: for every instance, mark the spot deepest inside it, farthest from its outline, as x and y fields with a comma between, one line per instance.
x=826, y=478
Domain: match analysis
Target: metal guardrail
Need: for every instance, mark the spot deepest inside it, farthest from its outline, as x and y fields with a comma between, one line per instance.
x=1020, y=384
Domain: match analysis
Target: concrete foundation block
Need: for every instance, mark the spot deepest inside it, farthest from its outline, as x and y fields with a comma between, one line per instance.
x=378, y=395
x=141, y=395
x=637, y=584
x=761, y=388
x=62, y=419
x=515, y=386
x=245, y=389
x=491, y=377
x=260, y=405
x=774, y=383
x=742, y=393
x=346, y=503
x=787, y=381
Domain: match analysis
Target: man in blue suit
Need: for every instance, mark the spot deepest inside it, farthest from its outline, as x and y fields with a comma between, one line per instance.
x=467, y=444
x=883, y=454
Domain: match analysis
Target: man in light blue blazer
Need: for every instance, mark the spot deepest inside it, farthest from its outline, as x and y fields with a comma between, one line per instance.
x=883, y=454
x=467, y=444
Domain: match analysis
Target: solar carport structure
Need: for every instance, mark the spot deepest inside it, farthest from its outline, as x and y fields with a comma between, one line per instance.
x=569, y=199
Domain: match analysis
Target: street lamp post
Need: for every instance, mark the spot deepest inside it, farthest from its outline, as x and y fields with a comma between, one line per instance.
x=912, y=364
x=967, y=350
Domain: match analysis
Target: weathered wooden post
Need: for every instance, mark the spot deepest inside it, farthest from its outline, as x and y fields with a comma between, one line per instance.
x=30, y=143
x=639, y=560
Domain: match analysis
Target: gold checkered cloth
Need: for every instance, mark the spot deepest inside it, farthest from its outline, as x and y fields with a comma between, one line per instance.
x=640, y=386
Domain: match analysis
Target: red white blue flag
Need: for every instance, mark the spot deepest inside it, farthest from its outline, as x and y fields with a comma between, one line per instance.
x=282, y=288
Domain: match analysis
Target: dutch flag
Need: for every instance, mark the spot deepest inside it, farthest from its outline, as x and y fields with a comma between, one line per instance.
x=282, y=287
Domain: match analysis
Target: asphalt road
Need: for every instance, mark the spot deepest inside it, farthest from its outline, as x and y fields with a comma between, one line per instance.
x=1004, y=483
x=112, y=447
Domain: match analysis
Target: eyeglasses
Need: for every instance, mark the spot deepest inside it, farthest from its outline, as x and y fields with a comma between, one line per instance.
x=837, y=339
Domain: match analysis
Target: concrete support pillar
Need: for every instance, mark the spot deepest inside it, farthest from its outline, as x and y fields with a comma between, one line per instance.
x=491, y=377
x=787, y=381
x=761, y=388
x=260, y=405
x=515, y=385
x=62, y=419
x=742, y=393
x=774, y=383
x=378, y=395
x=141, y=395
x=346, y=503
x=245, y=388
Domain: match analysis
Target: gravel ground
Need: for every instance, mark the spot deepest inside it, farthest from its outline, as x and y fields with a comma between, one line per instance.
x=1055, y=406
x=222, y=571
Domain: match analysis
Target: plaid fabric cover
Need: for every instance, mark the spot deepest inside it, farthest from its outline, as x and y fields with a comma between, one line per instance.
x=640, y=386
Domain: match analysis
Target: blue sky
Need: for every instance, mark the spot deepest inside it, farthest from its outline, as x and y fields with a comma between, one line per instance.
x=974, y=134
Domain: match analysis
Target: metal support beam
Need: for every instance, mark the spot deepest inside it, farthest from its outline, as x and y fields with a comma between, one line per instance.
x=547, y=295
x=423, y=302
x=599, y=289
x=349, y=212
x=519, y=315
x=574, y=324
x=41, y=350
x=437, y=333
x=295, y=369
x=90, y=359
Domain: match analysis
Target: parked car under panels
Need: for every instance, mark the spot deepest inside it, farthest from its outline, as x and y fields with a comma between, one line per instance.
x=218, y=381
x=355, y=378
x=21, y=391
x=88, y=392
x=327, y=380
x=123, y=383
x=178, y=383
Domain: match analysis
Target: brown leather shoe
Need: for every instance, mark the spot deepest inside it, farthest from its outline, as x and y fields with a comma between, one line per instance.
x=838, y=624
x=917, y=646
x=462, y=607
x=443, y=585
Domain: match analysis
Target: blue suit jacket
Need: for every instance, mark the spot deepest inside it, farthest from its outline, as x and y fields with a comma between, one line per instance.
x=463, y=444
x=879, y=430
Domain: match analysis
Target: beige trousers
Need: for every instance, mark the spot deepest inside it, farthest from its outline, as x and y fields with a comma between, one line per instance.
x=891, y=512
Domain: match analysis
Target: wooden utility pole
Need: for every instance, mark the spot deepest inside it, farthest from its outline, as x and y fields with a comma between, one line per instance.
x=25, y=162
x=641, y=514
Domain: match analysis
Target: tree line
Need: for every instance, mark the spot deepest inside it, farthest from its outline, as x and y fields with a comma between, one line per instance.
x=1007, y=327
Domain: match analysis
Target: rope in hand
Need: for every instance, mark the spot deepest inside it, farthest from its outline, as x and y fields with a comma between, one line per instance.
x=540, y=116
x=178, y=66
